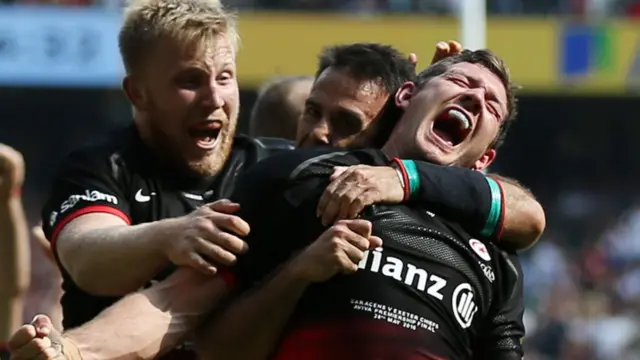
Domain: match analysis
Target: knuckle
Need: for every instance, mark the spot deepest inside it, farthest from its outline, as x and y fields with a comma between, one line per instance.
x=339, y=230
x=203, y=225
x=39, y=344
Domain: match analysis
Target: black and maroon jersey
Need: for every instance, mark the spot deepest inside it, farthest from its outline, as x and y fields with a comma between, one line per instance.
x=120, y=176
x=433, y=291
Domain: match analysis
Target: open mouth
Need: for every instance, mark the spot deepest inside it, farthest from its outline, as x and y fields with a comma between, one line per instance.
x=452, y=126
x=206, y=133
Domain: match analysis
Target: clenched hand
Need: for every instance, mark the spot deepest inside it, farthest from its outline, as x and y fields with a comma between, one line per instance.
x=356, y=187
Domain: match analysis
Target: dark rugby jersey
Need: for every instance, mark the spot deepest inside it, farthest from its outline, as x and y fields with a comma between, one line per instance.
x=432, y=291
x=119, y=175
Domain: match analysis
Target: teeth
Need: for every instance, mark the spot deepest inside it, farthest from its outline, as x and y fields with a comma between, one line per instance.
x=458, y=115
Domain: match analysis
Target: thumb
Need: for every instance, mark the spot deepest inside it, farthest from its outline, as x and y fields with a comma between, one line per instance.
x=43, y=325
x=224, y=205
x=375, y=242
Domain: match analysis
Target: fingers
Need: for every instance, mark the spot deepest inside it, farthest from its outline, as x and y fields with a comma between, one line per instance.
x=455, y=47
x=224, y=206
x=35, y=349
x=342, y=199
x=358, y=226
x=337, y=171
x=413, y=59
x=43, y=325
x=446, y=49
x=199, y=264
x=442, y=50
x=216, y=253
x=231, y=223
x=374, y=242
x=21, y=337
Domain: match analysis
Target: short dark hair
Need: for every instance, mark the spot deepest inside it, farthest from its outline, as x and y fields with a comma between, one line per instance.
x=492, y=62
x=369, y=62
x=272, y=115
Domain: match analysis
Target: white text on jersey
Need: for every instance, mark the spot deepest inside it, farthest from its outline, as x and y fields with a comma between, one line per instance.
x=395, y=268
x=89, y=195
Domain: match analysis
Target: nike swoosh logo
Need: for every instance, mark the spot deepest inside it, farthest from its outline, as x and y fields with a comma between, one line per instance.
x=142, y=198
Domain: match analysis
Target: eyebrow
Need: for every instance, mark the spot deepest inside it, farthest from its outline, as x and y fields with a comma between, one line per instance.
x=480, y=82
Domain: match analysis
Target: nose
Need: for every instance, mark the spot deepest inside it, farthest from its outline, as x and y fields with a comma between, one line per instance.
x=473, y=100
x=212, y=98
x=320, y=133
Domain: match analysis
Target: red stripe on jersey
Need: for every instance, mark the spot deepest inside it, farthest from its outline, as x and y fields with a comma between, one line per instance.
x=355, y=339
x=228, y=277
x=86, y=210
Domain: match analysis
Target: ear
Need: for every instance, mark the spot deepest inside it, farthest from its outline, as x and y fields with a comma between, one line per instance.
x=134, y=93
x=404, y=94
x=485, y=160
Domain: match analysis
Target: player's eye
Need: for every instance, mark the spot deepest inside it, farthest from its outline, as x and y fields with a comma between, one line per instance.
x=191, y=79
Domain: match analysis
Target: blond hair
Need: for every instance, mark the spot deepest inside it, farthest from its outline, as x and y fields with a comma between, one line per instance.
x=188, y=22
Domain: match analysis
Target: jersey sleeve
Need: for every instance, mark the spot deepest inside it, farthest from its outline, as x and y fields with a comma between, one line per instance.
x=458, y=194
x=502, y=336
x=86, y=183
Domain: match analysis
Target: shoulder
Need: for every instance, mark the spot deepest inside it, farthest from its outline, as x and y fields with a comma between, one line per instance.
x=108, y=153
x=282, y=165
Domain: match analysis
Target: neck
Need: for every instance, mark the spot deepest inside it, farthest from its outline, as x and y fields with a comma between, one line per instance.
x=391, y=150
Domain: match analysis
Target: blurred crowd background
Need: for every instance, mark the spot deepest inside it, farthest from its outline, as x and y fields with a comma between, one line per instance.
x=575, y=144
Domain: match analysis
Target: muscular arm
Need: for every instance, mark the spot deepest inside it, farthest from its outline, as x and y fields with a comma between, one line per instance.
x=255, y=318
x=90, y=245
x=149, y=323
x=464, y=195
x=14, y=264
x=524, y=218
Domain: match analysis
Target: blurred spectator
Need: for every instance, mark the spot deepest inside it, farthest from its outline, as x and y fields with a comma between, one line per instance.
x=279, y=106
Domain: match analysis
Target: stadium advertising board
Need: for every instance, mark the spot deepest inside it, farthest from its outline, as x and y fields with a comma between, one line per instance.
x=543, y=55
x=78, y=47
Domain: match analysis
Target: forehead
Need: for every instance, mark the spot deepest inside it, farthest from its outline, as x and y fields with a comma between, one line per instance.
x=481, y=76
x=337, y=88
x=169, y=54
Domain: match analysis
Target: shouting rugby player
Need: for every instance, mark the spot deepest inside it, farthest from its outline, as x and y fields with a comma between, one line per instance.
x=135, y=177
x=432, y=291
x=132, y=310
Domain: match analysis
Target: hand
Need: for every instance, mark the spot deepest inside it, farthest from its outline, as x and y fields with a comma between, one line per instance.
x=205, y=236
x=446, y=49
x=356, y=187
x=338, y=250
x=443, y=50
x=39, y=340
x=11, y=171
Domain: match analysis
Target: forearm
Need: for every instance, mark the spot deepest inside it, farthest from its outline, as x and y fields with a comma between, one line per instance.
x=91, y=254
x=15, y=264
x=149, y=323
x=524, y=218
x=466, y=196
x=257, y=318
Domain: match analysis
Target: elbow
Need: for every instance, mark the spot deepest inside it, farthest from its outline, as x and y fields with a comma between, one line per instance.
x=536, y=223
x=81, y=268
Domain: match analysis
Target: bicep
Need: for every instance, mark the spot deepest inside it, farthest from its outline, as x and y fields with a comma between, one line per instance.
x=66, y=240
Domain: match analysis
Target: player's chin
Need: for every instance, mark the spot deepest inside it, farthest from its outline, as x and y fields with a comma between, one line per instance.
x=206, y=166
